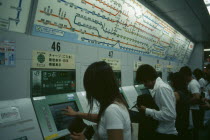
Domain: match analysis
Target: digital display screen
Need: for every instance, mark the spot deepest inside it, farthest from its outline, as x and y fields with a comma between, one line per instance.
x=62, y=121
x=51, y=82
x=138, y=90
x=145, y=91
x=141, y=89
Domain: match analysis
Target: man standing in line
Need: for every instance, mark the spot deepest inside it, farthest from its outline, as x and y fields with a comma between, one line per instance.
x=195, y=100
x=164, y=97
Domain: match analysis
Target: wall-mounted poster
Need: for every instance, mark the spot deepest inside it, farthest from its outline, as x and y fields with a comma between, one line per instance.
x=7, y=53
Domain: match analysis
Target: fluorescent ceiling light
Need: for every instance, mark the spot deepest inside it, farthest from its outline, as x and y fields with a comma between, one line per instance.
x=206, y=50
x=207, y=2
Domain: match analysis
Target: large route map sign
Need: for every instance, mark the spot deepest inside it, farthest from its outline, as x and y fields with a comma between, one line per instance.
x=14, y=15
x=118, y=24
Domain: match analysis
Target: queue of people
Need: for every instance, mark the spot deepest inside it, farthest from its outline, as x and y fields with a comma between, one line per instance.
x=179, y=110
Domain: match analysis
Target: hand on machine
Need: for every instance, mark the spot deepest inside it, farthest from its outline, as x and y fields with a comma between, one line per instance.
x=78, y=129
x=70, y=112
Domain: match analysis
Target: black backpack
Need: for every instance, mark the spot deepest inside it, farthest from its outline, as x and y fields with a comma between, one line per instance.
x=147, y=125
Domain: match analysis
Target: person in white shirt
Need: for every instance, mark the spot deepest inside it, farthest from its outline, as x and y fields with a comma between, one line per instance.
x=113, y=119
x=199, y=75
x=195, y=90
x=206, y=130
x=164, y=97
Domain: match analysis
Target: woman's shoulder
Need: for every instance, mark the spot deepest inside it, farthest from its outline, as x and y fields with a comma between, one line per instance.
x=116, y=105
x=116, y=108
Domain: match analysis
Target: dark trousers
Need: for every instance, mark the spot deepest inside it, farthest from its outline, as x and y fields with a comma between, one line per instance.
x=185, y=135
x=166, y=136
x=197, y=117
x=205, y=132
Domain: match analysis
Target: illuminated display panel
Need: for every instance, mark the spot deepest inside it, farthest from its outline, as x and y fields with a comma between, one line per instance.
x=63, y=121
x=51, y=82
x=145, y=91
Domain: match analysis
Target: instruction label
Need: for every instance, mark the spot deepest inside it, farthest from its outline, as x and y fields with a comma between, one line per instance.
x=158, y=67
x=114, y=63
x=53, y=60
x=9, y=114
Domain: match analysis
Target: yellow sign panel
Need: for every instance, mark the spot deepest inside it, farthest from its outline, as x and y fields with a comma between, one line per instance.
x=114, y=63
x=51, y=137
x=169, y=66
x=53, y=60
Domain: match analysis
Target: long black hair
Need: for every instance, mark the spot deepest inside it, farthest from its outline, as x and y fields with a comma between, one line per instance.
x=178, y=82
x=101, y=85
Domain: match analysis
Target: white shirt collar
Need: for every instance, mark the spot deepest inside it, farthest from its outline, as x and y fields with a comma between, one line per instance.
x=158, y=81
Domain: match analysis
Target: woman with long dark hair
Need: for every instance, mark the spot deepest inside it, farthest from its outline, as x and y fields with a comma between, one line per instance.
x=182, y=105
x=113, y=119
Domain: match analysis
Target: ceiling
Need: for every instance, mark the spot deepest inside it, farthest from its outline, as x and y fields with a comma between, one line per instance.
x=190, y=17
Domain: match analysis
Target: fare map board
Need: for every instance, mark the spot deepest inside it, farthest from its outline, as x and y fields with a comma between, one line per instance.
x=124, y=25
x=14, y=15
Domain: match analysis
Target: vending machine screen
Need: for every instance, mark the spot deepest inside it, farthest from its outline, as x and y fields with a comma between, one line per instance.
x=63, y=121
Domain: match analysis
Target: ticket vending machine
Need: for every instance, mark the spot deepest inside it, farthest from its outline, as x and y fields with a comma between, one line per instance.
x=130, y=95
x=52, y=91
x=18, y=120
x=123, y=95
x=141, y=89
x=84, y=103
x=85, y=107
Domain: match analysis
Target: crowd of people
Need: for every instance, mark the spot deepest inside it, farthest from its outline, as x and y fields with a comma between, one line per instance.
x=181, y=108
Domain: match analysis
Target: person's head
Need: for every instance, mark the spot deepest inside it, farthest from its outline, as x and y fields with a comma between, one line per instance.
x=101, y=85
x=198, y=74
x=178, y=82
x=208, y=69
x=187, y=73
x=147, y=75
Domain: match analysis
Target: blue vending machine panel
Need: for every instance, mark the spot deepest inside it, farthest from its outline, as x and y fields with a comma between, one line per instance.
x=62, y=121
